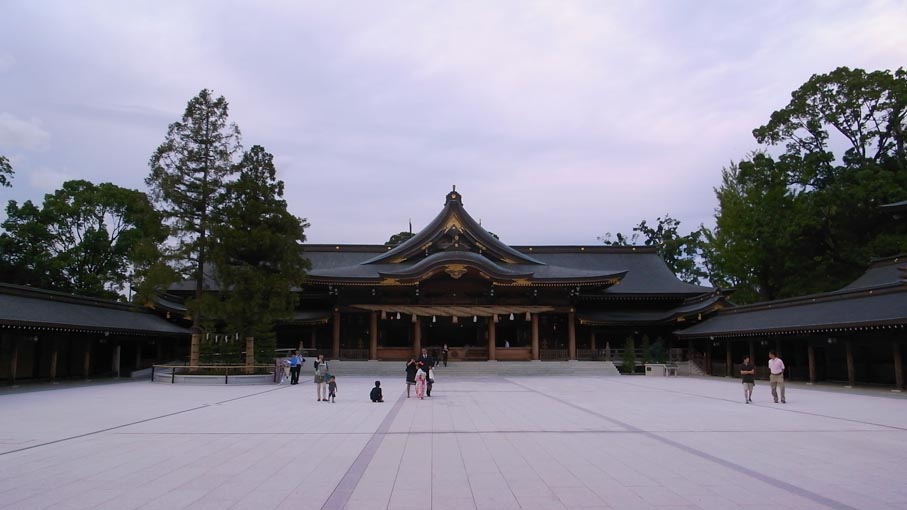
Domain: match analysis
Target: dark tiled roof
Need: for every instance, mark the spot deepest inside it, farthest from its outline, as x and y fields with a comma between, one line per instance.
x=648, y=315
x=882, y=272
x=24, y=306
x=820, y=313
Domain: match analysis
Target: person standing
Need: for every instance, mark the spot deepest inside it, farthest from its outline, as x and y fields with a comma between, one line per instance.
x=411, y=369
x=421, y=378
x=295, y=367
x=332, y=389
x=748, y=375
x=426, y=362
x=776, y=375
x=321, y=371
x=445, y=353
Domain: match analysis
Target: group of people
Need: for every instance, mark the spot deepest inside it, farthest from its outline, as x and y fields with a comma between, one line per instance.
x=775, y=377
x=325, y=382
x=420, y=374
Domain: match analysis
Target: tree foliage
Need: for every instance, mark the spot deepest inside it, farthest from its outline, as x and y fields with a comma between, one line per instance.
x=400, y=238
x=85, y=239
x=680, y=252
x=808, y=220
x=256, y=250
x=188, y=174
x=6, y=173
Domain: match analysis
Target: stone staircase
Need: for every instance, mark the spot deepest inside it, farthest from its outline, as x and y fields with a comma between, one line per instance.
x=468, y=369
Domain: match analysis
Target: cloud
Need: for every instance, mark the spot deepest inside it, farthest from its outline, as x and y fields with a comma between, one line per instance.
x=7, y=62
x=49, y=178
x=21, y=133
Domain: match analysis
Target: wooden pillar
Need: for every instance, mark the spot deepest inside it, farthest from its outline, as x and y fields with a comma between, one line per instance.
x=13, y=358
x=373, y=335
x=592, y=339
x=250, y=354
x=607, y=350
x=335, y=347
x=417, y=336
x=571, y=335
x=54, y=358
x=851, y=375
x=159, y=347
x=752, y=346
x=811, y=359
x=729, y=363
x=898, y=366
x=314, y=338
x=535, y=336
x=138, y=355
x=491, y=339
x=86, y=359
x=115, y=362
x=195, y=349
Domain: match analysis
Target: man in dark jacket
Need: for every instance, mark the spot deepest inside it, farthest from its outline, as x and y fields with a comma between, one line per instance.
x=426, y=362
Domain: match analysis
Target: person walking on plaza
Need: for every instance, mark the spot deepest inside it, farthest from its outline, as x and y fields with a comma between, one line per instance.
x=375, y=394
x=321, y=371
x=411, y=369
x=332, y=389
x=748, y=374
x=426, y=362
x=776, y=375
x=296, y=362
x=445, y=353
x=421, y=377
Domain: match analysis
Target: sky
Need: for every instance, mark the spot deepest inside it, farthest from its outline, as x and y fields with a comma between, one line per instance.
x=557, y=121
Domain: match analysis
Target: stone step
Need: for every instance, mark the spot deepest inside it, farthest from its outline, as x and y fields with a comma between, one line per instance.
x=477, y=368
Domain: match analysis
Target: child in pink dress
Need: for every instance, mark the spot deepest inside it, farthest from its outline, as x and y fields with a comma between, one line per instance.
x=420, y=383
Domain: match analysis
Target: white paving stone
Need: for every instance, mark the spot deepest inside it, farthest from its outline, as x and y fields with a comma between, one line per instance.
x=482, y=443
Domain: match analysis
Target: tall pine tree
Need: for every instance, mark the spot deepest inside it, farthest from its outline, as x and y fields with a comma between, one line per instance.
x=188, y=174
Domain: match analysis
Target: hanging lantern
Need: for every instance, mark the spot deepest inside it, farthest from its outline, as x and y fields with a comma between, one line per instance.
x=398, y=315
x=434, y=319
x=475, y=318
x=528, y=316
x=414, y=318
x=511, y=315
x=454, y=319
x=495, y=318
x=383, y=315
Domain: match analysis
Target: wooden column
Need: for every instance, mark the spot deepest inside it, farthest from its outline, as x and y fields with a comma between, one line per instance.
x=314, y=337
x=54, y=358
x=159, y=348
x=898, y=365
x=195, y=349
x=250, y=354
x=729, y=363
x=86, y=359
x=373, y=335
x=491, y=339
x=851, y=375
x=115, y=362
x=752, y=352
x=335, y=347
x=571, y=335
x=13, y=358
x=592, y=339
x=417, y=336
x=138, y=355
x=535, y=336
x=811, y=358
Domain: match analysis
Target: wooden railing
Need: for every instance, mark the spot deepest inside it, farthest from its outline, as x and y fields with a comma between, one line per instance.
x=217, y=370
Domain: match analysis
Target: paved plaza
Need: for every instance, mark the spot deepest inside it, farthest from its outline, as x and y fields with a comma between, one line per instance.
x=496, y=443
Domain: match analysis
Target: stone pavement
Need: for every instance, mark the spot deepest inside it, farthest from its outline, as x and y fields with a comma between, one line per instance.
x=493, y=443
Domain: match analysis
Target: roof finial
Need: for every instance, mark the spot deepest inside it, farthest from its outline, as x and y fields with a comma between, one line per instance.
x=455, y=187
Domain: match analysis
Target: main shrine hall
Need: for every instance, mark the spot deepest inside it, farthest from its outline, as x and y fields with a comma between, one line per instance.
x=456, y=284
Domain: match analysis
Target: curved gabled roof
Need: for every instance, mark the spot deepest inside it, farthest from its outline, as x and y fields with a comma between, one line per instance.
x=453, y=228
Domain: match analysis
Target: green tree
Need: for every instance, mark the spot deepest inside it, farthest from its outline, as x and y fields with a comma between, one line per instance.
x=808, y=220
x=680, y=252
x=188, y=173
x=85, y=239
x=256, y=249
x=400, y=238
x=6, y=172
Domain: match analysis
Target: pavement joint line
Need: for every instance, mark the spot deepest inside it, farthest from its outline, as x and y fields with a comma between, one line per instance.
x=86, y=434
x=776, y=407
x=350, y=480
x=793, y=489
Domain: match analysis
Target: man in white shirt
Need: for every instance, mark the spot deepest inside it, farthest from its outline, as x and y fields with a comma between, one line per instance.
x=776, y=375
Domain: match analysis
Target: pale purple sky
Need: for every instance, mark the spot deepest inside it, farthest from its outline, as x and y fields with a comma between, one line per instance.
x=558, y=121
